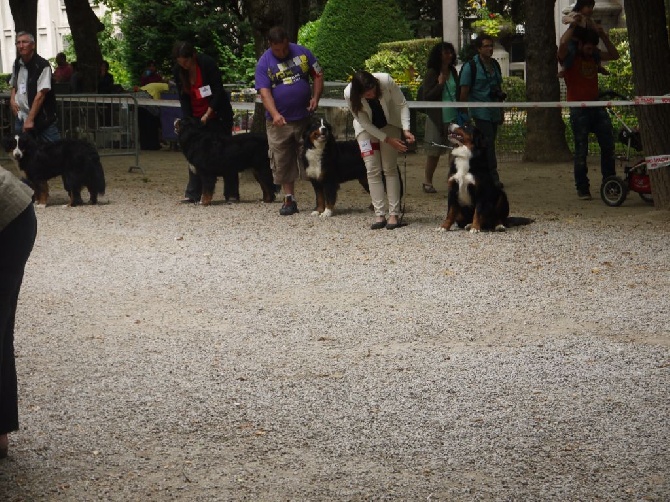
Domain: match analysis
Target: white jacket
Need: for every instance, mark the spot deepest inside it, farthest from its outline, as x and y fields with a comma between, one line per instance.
x=393, y=103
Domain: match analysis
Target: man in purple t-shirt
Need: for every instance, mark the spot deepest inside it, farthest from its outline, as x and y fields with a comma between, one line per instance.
x=282, y=79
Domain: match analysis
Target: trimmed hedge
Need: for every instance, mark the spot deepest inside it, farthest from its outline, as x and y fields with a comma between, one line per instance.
x=350, y=31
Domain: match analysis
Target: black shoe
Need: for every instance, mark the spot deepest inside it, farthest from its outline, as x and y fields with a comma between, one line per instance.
x=392, y=226
x=378, y=225
x=188, y=200
x=584, y=194
x=289, y=207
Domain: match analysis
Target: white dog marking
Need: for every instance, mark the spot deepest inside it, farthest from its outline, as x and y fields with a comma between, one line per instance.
x=463, y=177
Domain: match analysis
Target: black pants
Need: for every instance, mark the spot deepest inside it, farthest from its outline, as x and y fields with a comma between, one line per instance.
x=16, y=243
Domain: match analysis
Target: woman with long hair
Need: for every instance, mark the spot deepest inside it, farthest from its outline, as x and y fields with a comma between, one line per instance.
x=439, y=84
x=381, y=118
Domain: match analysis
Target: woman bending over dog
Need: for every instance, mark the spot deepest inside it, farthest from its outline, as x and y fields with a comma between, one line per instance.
x=201, y=95
x=381, y=117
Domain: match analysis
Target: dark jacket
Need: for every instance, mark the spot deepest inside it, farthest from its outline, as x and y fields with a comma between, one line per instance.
x=218, y=101
x=47, y=114
x=432, y=91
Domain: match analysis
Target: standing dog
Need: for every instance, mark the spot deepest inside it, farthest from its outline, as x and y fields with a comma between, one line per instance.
x=212, y=154
x=328, y=163
x=475, y=201
x=76, y=160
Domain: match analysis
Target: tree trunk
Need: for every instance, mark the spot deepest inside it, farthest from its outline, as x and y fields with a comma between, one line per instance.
x=85, y=26
x=649, y=49
x=24, y=13
x=264, y=14
x=545, y=138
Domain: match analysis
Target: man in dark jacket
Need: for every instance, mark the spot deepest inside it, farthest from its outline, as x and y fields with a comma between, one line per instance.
x=32, y=100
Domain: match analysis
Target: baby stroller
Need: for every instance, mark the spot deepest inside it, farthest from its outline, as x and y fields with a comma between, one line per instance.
x=614, y=189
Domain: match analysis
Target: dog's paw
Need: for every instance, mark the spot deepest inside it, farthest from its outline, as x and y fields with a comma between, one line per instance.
x=474, y=230
x=315, y=213
x=44, y=205
x=327, y=213
x=441, y=229
x=468, y=226
x=501, y=228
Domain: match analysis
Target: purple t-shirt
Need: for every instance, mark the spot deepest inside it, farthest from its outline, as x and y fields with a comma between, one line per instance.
x=288, y=79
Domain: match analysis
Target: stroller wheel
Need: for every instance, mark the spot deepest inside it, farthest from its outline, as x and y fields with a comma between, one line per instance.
x=613, y=191
x=647, y=198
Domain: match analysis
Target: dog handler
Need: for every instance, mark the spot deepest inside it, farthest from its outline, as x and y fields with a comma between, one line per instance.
x=282, y=79
x=18, y=228
x=201, y=95
x=381, y=116
x=32, y=100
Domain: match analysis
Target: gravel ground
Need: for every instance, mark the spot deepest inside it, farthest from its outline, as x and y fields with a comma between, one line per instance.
x=171, y=352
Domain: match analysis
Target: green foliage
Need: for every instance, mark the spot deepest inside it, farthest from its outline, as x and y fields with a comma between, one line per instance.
x=307, y=33
x=237, y=69
x=386, y=61
x=620, y=78
x=404, y=60
x=515, y=88
x=350, y=32
x=151, y=27
x=4, y=82
x=111, y=48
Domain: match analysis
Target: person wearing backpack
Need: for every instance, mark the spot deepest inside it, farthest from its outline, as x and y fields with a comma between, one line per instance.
x=481, y=82
x=439, y=84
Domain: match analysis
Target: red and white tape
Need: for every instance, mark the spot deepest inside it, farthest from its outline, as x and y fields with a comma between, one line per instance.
x=657, y=161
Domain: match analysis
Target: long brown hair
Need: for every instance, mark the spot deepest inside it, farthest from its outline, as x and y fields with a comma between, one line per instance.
x=361, y=82
x=183, y=49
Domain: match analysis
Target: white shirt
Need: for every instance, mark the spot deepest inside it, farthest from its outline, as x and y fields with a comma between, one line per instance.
x=21, y=86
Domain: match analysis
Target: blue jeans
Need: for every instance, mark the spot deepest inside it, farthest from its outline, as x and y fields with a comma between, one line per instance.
x=490, y=130
x=49, y=134
x=591, y=120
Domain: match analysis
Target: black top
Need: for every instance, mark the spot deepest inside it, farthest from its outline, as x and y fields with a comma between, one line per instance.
x=219, y=101
x=378, y=117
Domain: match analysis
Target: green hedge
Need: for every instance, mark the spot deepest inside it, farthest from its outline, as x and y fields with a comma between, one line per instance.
x=350, y=31
x=4, y=82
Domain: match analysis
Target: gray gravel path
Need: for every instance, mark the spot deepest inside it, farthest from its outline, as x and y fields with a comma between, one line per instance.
x=164, y=355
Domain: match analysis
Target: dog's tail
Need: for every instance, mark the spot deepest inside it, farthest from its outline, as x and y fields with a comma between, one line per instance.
x=99, y=178
x=517, y=221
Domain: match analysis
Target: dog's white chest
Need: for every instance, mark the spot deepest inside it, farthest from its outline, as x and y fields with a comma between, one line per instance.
x=313, y=156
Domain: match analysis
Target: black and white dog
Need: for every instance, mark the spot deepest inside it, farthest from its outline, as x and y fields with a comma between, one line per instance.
x=474, y=201
x=76, y=160
x=212, y=154
x=328, y=163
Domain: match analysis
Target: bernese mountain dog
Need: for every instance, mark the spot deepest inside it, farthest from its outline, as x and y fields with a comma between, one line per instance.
x=474, y=201
x=75, y=160
x=212, y=154
x=328, y=163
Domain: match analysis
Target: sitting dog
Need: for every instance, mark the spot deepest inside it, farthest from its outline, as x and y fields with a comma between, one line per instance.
x=211, y=154
x=76, y=160
x=328, y=163
x=475, y=202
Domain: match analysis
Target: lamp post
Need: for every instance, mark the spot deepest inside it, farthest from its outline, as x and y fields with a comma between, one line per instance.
x=450, y=22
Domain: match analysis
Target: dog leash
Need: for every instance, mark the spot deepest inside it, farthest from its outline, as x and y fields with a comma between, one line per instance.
x=403, y=174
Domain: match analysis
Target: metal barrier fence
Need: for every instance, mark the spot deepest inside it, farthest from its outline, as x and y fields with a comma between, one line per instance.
x=113, y=122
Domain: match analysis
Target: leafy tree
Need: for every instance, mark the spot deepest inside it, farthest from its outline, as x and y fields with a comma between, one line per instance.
x=85, y=26
x=214, y=29
x=342, y=47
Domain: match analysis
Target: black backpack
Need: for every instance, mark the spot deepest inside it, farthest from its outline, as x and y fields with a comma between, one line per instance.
x=473, y=71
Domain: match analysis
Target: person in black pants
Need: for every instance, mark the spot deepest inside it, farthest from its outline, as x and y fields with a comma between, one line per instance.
x=18, y=229
x=201, y=95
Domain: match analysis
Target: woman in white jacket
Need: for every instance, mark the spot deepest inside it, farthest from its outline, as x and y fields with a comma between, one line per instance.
x=381, y=116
